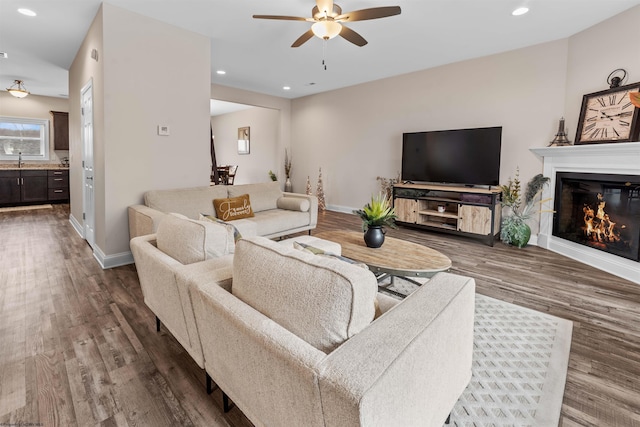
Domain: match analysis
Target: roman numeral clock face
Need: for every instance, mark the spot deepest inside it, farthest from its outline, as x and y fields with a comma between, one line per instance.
x=608, y=116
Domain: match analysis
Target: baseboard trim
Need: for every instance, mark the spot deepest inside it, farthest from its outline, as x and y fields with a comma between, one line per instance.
x=76, y=225
x=343, y=209
x=111, y=261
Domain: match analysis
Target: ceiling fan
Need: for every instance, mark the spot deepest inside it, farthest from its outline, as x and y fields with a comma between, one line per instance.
x=329, y=21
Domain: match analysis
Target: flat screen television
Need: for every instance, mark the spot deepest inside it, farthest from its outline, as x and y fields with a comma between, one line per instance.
x=462, y=156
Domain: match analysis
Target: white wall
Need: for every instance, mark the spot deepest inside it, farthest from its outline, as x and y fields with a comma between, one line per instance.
x=355, y=134
x=594, y=53
x=35, y=107
x=264, y=135
x=144, y=88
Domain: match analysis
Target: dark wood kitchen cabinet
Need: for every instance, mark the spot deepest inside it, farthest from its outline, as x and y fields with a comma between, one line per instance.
x=60, y=123
x=9, y=187
x=58, y=185
x=34, y=186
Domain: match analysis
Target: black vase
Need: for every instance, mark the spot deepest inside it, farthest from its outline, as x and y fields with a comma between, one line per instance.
x=374, y=236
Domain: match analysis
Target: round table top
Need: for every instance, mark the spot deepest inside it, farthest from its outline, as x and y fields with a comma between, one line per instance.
x=396, y=257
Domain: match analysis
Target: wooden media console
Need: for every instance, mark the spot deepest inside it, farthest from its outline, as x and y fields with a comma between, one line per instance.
x=473, y=212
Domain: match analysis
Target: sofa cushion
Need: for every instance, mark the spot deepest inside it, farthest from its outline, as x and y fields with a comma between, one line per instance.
x=322, y=300
x=188, y=201
x=264, y=196
x=189, y=241
x=276, y=220
x=232, y=208
x=293, y=204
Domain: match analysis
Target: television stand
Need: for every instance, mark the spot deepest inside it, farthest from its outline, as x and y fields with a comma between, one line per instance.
x=467, y=211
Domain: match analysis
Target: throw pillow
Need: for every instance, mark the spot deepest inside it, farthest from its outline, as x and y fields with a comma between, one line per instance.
x=293, y=204
x=236, y=234
x=233, y=208
x=318, y=251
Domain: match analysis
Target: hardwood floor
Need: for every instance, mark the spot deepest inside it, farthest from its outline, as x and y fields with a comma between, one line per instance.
x=78, y=347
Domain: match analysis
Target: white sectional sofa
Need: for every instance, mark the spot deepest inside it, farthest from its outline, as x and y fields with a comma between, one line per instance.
x=291, y=337
x=276, y=213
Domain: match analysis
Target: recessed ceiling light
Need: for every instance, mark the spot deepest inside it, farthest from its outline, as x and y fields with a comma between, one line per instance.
x=520, y=11
x=221, y=72
x=286, y=87
x=27, y=12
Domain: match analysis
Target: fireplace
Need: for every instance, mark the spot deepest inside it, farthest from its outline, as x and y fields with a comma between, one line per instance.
x=618, y=164
x=601, y=211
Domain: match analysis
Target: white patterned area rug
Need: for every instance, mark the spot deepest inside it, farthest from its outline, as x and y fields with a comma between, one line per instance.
x=520, y=365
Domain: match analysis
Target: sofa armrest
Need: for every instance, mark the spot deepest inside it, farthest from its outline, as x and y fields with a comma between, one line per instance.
x=264, y=368
x=313, y=206
x=143, y=220
x=412, y=363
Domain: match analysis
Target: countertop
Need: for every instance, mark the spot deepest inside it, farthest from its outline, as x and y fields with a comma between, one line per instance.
x=32, y=166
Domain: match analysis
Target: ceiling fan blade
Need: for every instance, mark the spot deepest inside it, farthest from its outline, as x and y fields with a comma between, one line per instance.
x=302, y=39
x=325, y=5
x=351, y=36
x=373, y=13
x=283, y=18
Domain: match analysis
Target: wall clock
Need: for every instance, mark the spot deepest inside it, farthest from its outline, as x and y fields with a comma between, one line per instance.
x=609, y=116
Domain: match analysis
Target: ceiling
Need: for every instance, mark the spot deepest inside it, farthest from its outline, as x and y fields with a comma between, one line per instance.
x=257, y=56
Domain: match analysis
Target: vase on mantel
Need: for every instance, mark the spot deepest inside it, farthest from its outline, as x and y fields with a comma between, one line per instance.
x=288, y=188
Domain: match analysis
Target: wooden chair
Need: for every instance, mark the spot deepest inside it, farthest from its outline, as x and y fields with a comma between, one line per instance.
x=231, y=174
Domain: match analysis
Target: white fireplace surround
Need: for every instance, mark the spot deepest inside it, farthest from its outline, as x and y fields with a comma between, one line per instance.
x=622, y=159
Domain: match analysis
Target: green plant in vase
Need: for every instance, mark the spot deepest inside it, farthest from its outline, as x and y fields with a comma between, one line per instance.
x=515, y=230
x=375, y=215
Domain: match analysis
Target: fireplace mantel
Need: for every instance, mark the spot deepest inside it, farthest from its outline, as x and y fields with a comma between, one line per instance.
x=620, y=158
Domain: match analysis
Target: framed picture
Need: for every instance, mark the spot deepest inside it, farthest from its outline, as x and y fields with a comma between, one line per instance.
x=244, y=140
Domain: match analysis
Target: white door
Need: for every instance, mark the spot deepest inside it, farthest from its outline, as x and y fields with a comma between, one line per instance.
x=88, y=204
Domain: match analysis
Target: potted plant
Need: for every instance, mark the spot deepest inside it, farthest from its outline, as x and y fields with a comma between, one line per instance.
x=515, y=230
x=375, y=215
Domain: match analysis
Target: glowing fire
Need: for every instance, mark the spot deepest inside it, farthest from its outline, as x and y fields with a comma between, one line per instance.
x=598, y=226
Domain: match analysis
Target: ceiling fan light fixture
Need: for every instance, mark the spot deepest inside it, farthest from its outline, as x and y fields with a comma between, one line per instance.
x=326, y=29
x=17, y=89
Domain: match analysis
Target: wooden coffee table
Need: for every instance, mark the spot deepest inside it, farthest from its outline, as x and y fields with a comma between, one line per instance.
x=395, y=258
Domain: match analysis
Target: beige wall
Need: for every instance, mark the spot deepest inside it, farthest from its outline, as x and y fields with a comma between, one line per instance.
x=283, y=105
x=355, y=134
x=143, y=87
x=264, y=134
x=596, y=52
x=84, y=70
x=35, y=107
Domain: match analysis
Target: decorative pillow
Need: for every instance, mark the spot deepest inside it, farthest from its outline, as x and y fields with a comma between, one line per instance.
x=233, y=208
x=321, y=252
x=321, y=300
x=293, y=204
x=236, y=234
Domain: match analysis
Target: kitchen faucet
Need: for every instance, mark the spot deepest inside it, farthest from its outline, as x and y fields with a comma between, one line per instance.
x=20, y=159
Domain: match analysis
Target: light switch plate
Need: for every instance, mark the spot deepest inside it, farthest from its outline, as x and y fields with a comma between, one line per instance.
x=163, y=130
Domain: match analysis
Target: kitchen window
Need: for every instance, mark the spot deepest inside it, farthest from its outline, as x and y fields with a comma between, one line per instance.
x=27, y=136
